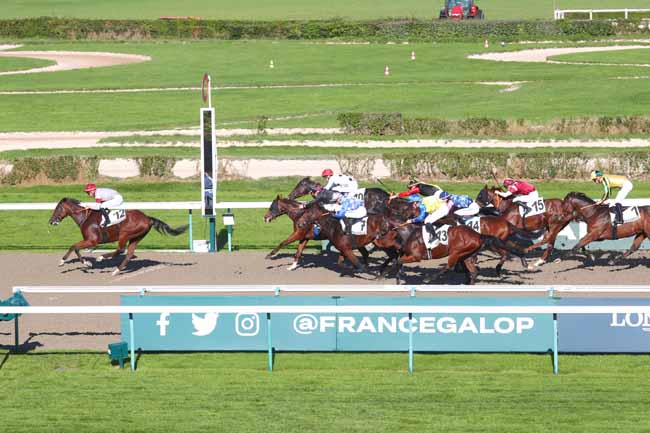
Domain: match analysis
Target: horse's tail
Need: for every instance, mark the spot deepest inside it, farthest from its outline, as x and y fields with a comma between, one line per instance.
x=524, y=237
x=164, y=229
x=490, y=242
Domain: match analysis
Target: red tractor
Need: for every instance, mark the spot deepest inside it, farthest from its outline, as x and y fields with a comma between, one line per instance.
x=460, y=10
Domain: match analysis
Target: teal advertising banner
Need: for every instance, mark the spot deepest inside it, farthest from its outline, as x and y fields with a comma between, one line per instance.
x=572, y=233
x=339, y=332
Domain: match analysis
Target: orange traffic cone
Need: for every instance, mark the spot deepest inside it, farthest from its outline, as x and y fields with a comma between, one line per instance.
x=387, y=71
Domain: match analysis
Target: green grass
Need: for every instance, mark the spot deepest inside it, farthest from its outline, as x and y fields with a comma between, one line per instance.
x=233, y=392
x=292, y=9
x=630, y=57
x=29, y=230
x=286, y=152
x=20, y=64
x=417, y=89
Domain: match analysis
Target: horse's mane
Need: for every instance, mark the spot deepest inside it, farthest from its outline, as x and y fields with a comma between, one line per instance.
x=71, y=200
x=579, y=196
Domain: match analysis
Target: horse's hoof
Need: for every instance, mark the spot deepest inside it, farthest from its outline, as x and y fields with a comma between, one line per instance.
x=100, y=259
x=558, y=260
x=115, y=272
x=61, y=262
x=268, y=256
x=293, y=266
x=87, y=263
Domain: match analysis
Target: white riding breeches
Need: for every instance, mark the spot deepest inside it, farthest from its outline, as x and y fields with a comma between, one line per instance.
x=528, y=198
x=625, y=190
x=435, y=216
x=470, y=210
x=113, y=203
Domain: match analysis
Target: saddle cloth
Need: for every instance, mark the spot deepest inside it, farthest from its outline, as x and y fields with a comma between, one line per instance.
x=442, y=237
x=115, y=216
x=359, y=227
x=474, y=223
x=537, y=207
x=359, y=194
x=629, y=215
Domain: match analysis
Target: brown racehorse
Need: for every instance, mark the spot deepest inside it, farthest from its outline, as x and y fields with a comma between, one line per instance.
x=131, y=230
x=599, y=226
x=463, y=246
x=377, y=226
x=556, y=217
x=294, y=210
x=374, y=198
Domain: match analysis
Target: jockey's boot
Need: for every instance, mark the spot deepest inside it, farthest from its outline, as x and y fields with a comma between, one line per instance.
x=431, y=230
x=105, y=212
x=348, y=225
x=618, y=210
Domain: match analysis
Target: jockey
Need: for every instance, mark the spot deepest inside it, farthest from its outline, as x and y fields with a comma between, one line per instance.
x=414, y=187
x=105, y=199
x=610, y=181
x=437, y=206
x=351, y=208
x=524, y=192
x=340, y=182
x=464, y=206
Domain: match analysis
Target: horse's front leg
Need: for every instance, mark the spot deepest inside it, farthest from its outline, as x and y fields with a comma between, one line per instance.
x=298, y=256
x=296, y=235
x=86, y=243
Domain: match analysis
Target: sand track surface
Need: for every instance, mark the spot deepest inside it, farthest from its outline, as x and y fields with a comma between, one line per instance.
x=45, y=332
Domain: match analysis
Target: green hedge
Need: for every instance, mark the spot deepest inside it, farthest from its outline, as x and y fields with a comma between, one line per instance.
x=472, y=165
x=57, y=169
x=394, y=124
x=388, y=29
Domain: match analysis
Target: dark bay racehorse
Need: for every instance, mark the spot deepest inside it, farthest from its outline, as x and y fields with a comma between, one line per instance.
x=463, y=246
x=131, y=230
x=599, y=226
x=294, y=210
x=377, y=227
x=374, y=198
x=556, y=217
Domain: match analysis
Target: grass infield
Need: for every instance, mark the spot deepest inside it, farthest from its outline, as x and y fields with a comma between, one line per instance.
x=325, y=393
x=29, y=230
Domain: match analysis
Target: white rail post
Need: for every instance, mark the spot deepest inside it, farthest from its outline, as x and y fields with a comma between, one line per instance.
x=555, y=349
x=132, y=341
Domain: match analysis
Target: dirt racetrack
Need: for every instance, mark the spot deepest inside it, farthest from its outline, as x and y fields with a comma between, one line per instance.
x=43, y=332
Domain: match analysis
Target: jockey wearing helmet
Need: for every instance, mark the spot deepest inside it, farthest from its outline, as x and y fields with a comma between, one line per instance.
x=105, y=199
x=339, y=182
x=415, y=187
x=437, y=206
x=464, y=206
x=610, y=181
x=351, y=208
x=524, y=193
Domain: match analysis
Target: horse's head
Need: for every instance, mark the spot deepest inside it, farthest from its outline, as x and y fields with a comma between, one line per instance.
x=274, y=210
x=483, y=198
x=578, y=202
x=65, y=207
x=304, y=187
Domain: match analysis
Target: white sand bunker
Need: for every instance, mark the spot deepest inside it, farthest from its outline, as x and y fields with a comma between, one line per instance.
x=69, y=60
x=542, y=54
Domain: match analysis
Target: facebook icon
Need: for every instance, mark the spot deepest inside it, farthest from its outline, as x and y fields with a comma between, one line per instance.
x=163, y=323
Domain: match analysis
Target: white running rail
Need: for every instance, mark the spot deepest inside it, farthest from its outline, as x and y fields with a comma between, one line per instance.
x=559, y=14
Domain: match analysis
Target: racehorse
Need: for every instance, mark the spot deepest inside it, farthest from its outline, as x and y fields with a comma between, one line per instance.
x=294, y=210
x=463, y=245
x=599, y=226
x=377, y=226
x=131, y=230
x=374, y=198
x=553, y=220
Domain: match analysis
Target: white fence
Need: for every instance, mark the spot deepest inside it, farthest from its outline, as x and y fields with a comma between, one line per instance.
x=333, y=288
x=559, y=14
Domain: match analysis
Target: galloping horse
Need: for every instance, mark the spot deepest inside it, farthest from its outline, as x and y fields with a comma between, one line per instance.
x=377, y=226
x=463, y=245
x=599, y=225
x=374, y=198
x=553, y=220
x=131, y=230
x=294, y=211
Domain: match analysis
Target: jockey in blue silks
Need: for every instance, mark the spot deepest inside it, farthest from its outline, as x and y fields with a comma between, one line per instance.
x=351, y=208
x=464, y=206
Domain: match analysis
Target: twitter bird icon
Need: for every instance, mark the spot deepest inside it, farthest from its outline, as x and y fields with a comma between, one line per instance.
x=204, y=325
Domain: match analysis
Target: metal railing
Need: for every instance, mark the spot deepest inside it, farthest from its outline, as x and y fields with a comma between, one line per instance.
x=559, y=14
